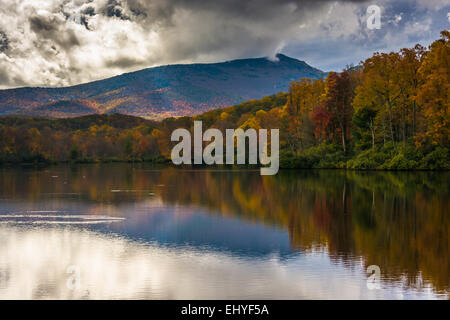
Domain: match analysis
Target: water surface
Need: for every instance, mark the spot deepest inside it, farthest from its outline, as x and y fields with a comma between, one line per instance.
x=138, y=232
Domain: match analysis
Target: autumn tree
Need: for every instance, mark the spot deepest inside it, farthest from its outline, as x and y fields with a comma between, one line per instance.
x=303, y=97
x=434, y=92
x=409, y=80
x=337, y=106
x=380, y=90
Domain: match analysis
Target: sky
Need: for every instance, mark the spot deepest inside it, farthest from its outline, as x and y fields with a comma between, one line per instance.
x=67, y=42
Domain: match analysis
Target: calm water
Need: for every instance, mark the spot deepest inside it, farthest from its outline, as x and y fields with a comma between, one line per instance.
x=124, y=231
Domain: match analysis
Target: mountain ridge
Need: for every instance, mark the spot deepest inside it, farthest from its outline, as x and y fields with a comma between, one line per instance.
x=163, y=91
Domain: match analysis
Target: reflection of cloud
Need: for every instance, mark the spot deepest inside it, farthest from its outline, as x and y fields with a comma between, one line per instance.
x=33, y=264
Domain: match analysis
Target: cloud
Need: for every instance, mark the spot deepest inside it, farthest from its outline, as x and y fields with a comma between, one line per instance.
x=3, y=42
x=66, y=42
x=114, y=9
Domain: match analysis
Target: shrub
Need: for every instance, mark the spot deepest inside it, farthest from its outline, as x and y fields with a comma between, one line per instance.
x=438, y=159
x=400, y=162
x=369, y=159
x=321, y=156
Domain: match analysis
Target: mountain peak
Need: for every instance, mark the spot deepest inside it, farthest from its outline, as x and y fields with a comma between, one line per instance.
x=281, y=56
x=286, y=59
x=159, y=92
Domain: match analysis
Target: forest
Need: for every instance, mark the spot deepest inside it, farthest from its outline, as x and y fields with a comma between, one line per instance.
x=391, y=112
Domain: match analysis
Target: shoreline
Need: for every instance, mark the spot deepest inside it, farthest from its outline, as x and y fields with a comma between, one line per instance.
x=167, y=163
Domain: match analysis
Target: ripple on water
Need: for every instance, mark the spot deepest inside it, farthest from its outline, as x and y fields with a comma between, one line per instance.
x=55, y=217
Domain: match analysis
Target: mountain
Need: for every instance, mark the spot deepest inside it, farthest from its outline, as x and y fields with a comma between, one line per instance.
x=159, y=92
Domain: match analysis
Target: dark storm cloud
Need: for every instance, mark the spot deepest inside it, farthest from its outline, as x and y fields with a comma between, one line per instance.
x=229, y=28
x=249, y=9
x=89, y=11
x=252, y=10
x=138, y=12
x=114, y=9
x=43, y=24
x=49, y=28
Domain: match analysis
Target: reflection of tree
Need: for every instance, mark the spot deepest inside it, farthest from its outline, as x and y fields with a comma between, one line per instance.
x=395, y=220
x=398, y=221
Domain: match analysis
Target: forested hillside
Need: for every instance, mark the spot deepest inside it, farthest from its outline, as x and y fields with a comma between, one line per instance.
x=392, y=112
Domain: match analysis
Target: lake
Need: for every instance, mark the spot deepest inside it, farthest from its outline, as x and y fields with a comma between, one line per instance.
x=124, y=231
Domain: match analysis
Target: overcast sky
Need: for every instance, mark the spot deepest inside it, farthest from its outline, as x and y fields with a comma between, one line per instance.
x=66, y=42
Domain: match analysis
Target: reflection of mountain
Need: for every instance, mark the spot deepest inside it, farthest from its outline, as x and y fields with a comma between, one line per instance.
x=159, y=92
x=398, y=221
x=197, y=227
